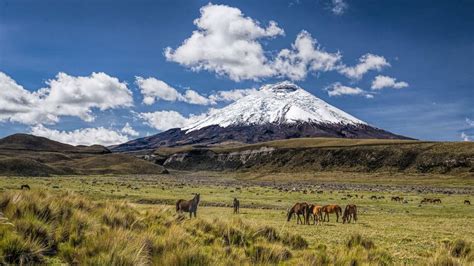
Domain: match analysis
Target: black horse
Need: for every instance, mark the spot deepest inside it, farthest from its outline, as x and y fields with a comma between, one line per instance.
x=27, y=187
x=188, y=205
x=236, y=205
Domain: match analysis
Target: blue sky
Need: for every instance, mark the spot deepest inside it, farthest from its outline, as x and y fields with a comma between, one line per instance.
x=423, y=53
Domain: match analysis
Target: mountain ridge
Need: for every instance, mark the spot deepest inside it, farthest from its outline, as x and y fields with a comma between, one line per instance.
x=276, y=111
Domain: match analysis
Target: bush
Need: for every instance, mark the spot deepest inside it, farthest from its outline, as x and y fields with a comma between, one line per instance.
x=271, y=253
x=19, y=251
x=460, y=248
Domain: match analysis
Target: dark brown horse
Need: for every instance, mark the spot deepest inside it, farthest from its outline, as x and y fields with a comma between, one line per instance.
x=298, y=209
x=236, y=205
x=188, y=205
x=316, y=212
x=467, y=202
x=350, y=212
x=327, y=209
x=27, y=187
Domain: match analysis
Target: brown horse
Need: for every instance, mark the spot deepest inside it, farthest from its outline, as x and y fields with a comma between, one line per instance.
x=299, y=209
x=350, y=212
x=236, y=205
x=467, y=202
x=316, y=212
x=327, y=209
x=188, y=205
x=26, y=186
x=436, y=201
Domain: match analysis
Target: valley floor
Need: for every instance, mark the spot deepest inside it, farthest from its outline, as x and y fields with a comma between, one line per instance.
x=408, y=232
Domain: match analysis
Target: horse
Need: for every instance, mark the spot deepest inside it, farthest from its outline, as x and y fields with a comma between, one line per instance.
x=188, y=205
x=26, y=186
x=299, y=209
x=236, y=205
x=436, y=201
x=327, y=209
x=350, y=212
x=397, y=198
x=316, y=212
x=467, y=202
x=373, y=197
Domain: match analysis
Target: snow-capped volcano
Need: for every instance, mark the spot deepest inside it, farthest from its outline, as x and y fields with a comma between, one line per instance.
x=277, y=111
x=281, y=103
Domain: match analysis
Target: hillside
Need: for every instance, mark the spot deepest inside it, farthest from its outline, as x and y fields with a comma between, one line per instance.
x=28, y=155
x=327, y=154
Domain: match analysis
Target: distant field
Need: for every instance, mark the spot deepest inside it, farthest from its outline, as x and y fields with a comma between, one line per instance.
x=409, y=233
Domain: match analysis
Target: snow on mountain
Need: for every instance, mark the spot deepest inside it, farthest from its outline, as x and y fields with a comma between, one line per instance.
x=281, y=103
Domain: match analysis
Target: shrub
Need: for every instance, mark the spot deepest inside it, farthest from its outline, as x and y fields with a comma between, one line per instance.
x=294, y=241
x=17, y=250
x=460, y=248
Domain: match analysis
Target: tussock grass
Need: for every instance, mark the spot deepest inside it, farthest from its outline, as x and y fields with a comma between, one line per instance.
x=49, y=228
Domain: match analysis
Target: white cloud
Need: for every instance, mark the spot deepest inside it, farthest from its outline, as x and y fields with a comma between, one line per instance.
x=305, y=55
x=195, y=98
x=337, y=89
x=154, y=89
x=469, y=122
x=128, y=130
x=366, y=63
x=164, y=120
x=231, y=95
x=65, y=96
x=381, y=82
x=466, y=137
x=226, y=42
x=338, y=6
x=229, y=44
x=84, y=136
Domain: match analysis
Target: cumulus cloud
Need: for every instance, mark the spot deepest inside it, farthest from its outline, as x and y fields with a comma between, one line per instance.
x=128, y=130
x=231, y=95
x=470, y=122
x=65, y=96
x=338, y=7
x=366, y=63
x=226, y=42
x=84, y=136
x=337, y=89
x=154, y=89
x=305, y=55
x=381, y=82
x=164, y=120
x=466, y=137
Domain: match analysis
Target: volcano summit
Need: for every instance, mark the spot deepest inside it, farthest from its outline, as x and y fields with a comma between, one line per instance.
x=276, y=111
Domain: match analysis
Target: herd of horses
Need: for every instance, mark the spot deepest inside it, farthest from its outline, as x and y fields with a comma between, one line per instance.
x=317, y=213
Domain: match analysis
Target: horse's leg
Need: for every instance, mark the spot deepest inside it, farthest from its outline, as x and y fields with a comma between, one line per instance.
x=337, y=217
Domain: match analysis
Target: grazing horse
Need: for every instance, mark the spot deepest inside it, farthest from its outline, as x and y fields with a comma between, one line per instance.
x=436, y=201
x=397, y=198
x=236, y=205
x=188, y=205
x=467, y=202
x=27, y=187
x=298, y=209
x=350, y=212
x=327, y=209
x=316, y=212
x=373, y=197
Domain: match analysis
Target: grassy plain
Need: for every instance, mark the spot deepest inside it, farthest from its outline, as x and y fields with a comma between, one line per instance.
x=402, y=233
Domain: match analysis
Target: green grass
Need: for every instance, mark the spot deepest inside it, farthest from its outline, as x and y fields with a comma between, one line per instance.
x=401, y=233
